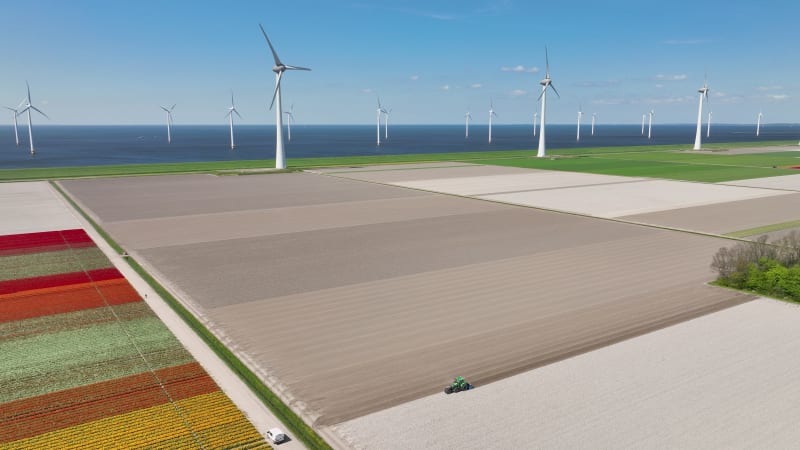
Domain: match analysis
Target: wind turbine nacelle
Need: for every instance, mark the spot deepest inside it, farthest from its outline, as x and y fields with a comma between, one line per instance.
x=279, y=69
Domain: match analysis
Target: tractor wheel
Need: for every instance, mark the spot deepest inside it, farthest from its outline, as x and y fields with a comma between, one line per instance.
x=448, y=390
x=467, y=387
x=457, y=389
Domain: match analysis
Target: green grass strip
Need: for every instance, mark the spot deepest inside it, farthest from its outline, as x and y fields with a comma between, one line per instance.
x=765, y=229
x=292, y=421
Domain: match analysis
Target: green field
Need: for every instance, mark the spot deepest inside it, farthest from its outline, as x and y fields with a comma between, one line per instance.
x=658, y=161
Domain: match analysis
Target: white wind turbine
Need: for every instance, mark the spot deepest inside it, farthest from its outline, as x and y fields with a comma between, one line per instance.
x=594, y=116
x=378, y=120
x=708, y=123
x=289, y=120
x=650, y=124
x=169, y=122
x=491, y=114
x=535, y=115
x=279, y=68
x=643, y=115
x=231, y=111
x=386, y=124
x=703, y=95
x=546, y=82
x=467, y=118
x=28, y=107
x=15, y=112
x=580, y=114
x=758, y=124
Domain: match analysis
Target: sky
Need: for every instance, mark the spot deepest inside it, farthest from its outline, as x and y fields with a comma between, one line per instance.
x=101, y=62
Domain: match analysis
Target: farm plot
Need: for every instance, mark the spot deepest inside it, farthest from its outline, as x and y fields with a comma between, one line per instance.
x=86, y=363
x=371, y=309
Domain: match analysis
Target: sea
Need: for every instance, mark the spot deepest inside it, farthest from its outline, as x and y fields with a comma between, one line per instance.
x=63, y=146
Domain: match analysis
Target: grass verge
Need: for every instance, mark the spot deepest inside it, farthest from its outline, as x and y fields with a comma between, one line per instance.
x=291, y=420
x=764, y=229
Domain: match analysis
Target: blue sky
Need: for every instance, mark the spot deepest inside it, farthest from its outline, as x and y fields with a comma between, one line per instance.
x=115, y=62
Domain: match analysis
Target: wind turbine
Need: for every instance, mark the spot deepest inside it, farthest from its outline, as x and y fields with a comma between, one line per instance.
x=580, y=114
x=491, y=114
x=758, y=124
x=279, y=68
x=378, y=120
x=643, y=124
x=232, y=110
x=546, y=82
x=28, y=107
x=708, y=124
x=535, y=115
x=650, y=124
x=289, y=120
x=169, y=122
x=594, y=115
x=15, y=112
x=386, y=124
x=703, y=95
x=467, y=118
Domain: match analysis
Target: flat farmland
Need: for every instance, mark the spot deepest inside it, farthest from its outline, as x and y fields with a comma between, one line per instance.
x=358, y=296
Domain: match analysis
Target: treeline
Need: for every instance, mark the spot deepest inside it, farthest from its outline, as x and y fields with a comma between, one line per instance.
x=769, y=268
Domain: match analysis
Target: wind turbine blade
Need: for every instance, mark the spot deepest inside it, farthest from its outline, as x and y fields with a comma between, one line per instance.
x=165, y=109
x=39, y=111
x=29, y=90
x=547, y=63
x=272, y=49
x=277, y=86
x=296, y=68
x=237, y=113
x=555, y=90
x=538, y=99
x=172, y=107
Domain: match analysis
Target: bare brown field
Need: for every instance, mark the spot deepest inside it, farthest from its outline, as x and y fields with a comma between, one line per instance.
x=356, y=306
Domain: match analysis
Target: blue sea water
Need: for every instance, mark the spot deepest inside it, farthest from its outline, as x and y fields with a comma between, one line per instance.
x=59, y=146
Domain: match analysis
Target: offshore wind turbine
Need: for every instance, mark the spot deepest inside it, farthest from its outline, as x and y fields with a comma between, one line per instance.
x=703, y=95
x=386, y=124
x=643, y=123
x=491, y=114
x=467, y=118
x=15, y=112
x=378, y=120
x=580, y=114
x=169, y=122
x=289, y=120
x=232, y=110
x=535, y=115
x=28, y=107
x=594, y=116
x=546, y=82
x=708, y=124
x=278, y=68
x=650, y=124
x=758, y=124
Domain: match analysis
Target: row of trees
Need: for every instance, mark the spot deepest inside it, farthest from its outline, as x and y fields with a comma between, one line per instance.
x=770, y=268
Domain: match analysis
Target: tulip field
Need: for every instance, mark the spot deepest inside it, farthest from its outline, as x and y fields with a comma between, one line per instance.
x=87, y=364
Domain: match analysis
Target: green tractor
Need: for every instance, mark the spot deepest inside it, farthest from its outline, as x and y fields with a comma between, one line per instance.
x=459, y=384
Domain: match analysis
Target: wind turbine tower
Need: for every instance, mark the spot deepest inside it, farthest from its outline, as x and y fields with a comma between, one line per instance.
x=231, y=111
x=169, y=122
x=386, y=124
x=289, y=120
x=378, y=121
x=708, y=123
x=643, y=124
x=594, y=116
x=546, y=82
x=28, y=107
x=535, y=115
x=703, y=95
x=279, y=69
x=650, y=124
x=580, y=114
x=491, y=114
x=15, y=112
x=467, y=118
x=758, y=124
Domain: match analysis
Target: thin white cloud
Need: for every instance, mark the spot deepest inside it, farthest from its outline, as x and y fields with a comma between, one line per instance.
x=669, y=100
x=476, y=85
x=446, y=87
x=367, y=90
x=597, y=84
x=414, y=77
x=609, y=101
x=662, y=77
x=519, y=69
x=519, y=93
x=659, y=85
x=777, y=97
x=770, y=88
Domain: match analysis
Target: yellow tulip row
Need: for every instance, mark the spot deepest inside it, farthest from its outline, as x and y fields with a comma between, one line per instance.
x=214, y=418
